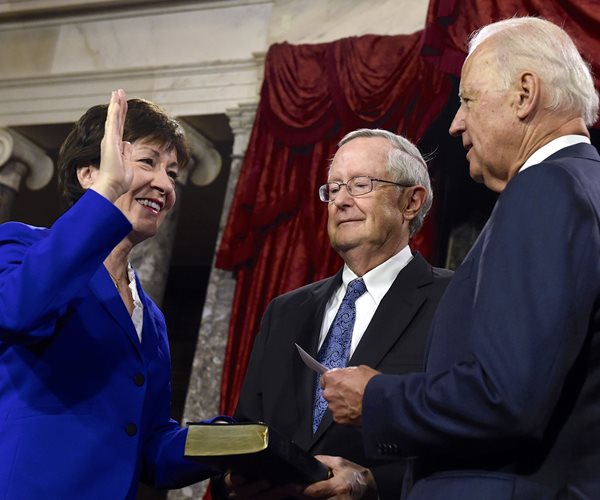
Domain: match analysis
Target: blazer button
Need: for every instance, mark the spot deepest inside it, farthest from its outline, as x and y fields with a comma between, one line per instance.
x=131, y=429
x=139, y=379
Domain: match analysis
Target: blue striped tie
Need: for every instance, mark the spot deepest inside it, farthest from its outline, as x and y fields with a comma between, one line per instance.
x=334, y=352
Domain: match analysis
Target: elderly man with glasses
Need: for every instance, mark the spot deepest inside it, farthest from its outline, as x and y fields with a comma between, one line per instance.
x=375, y=311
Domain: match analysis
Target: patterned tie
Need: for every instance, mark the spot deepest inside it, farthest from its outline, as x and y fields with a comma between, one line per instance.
x=334, y=352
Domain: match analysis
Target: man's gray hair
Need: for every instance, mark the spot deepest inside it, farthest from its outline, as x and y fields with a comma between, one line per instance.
x=405, y=164
x=531, y=43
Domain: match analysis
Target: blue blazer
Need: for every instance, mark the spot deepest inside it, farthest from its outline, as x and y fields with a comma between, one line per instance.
x=84, y=406
x=509, y=406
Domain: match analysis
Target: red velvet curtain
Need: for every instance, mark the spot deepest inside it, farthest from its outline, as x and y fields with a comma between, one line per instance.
x=275, y=239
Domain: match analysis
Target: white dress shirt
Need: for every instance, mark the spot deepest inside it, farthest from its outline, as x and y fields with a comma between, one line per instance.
x=137, y=316
x=378, y=281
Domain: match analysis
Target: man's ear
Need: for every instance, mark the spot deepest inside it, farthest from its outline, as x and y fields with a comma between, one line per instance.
x=413, y=197
x=87, y=175
x=528, y=94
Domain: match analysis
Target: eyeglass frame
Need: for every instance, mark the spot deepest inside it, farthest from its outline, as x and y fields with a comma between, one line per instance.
x=323, y=187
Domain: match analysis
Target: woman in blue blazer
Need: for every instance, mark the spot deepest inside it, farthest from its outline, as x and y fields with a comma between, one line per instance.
x=84, y=357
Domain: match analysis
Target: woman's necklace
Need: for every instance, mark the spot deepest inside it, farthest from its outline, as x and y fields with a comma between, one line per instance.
x=115, y=280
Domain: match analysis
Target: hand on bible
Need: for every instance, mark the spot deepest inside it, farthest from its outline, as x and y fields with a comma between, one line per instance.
x=350, y=481
x=343, y=388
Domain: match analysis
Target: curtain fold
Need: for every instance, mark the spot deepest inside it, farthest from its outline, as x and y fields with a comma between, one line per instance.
x=275, y=238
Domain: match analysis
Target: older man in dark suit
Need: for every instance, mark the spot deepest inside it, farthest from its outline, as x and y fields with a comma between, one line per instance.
x=378, y=193
x=509, y=406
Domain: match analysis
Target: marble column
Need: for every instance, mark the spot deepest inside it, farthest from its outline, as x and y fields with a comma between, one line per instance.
x=152, y=257
x=20, y=159
x=11, y=174
x=205, y=379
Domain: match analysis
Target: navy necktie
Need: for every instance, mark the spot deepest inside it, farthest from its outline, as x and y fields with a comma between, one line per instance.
x=334, y=352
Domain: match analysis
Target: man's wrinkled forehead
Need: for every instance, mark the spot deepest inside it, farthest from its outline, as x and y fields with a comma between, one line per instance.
x=481, y=65
x=361, y=156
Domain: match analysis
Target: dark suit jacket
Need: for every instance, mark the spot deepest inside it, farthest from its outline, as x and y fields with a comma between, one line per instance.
x=278, y=387
x=84, y=406
x=509, y=406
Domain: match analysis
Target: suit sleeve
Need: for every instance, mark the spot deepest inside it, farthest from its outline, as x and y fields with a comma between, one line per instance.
x=42, y=270
x=537, y=279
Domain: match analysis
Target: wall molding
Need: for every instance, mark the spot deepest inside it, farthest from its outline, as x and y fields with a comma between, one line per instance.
x=191, y=89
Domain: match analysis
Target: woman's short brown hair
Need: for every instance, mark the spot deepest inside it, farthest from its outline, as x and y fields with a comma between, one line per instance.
x=145, y=120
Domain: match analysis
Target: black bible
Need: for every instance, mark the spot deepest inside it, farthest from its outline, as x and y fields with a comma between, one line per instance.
x=254, y=451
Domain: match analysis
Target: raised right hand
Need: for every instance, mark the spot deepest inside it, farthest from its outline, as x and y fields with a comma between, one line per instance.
x=115, y=173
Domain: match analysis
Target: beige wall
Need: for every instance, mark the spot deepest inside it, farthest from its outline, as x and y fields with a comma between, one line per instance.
x=59, y=57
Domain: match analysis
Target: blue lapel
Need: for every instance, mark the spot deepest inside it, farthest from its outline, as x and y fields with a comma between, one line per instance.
x=150, y=331
x=105, y=291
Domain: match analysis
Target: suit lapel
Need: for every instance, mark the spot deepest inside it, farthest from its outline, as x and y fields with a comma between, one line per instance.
x=105, y=291
x=394, y=313
x=304, y=378
x=150, y=329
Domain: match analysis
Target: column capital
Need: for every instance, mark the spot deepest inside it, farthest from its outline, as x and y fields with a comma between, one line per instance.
x=241, y=121
x=241, y=118
x=206, y=161
x=16, y=148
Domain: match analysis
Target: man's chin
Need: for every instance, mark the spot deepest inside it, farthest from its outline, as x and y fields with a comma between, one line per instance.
x=343, y=245
x=476, y=174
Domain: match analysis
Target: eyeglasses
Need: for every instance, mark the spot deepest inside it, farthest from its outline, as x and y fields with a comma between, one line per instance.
x=357, y=186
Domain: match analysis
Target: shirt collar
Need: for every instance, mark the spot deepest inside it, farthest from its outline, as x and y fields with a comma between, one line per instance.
x=552, y=147
x=379, y=279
